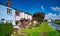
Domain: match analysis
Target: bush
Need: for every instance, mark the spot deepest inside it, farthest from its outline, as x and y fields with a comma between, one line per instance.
x=6, y=29
x=56, y=22
x=53, y=33
x=58, y=31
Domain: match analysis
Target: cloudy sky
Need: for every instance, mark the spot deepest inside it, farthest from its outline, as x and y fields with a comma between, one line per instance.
x=51, y=8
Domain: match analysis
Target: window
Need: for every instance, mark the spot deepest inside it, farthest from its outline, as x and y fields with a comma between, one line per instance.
x=9, y=11
x=17, y=13
x=2, y=20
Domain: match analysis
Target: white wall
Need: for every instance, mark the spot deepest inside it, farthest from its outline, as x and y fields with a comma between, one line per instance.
x=26, y=16
x=30, y=17
x=22, y=14
x=17, y=18
x=4, y=15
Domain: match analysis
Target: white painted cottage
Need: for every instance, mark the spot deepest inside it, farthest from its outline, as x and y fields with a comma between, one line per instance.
x=9, y=14
x=19, y=15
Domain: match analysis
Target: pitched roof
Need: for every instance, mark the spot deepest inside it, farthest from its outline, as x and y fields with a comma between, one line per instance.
x=16, y=9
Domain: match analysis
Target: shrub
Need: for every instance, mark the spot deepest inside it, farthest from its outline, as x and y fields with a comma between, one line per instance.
x=6, y=29
x=56, y=22
x=53, y=33
x=58, y=31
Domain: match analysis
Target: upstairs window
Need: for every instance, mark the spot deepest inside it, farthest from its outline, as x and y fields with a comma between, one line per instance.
x=9, y=11
x=17, y=13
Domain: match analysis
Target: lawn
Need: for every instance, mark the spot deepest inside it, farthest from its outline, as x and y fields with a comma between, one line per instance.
x=43, y=27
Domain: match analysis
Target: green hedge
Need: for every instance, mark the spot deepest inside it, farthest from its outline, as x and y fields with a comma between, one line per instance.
x=6, y=29
x=53, y=33
x=56, y=22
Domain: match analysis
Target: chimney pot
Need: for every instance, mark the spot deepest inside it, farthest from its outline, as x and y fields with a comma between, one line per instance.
x=8, y=3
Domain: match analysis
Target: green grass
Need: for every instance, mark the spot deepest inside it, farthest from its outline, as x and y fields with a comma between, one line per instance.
x=16, y=34
x=45, y=27
x=35, y=31
x=42, y=27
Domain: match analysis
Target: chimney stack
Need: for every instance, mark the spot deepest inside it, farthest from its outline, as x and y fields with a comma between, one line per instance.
x=8, y=3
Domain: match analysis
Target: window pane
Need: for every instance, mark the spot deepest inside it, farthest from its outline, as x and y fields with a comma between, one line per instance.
x=2, y=20
x=17, y=13
x=9, y=11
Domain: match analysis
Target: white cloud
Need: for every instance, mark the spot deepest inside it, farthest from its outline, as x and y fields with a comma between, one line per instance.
x=52, y=16
x=42, y=7
x=57, y=9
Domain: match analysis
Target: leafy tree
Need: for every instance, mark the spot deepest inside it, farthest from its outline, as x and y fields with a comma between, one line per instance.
x=38, y=16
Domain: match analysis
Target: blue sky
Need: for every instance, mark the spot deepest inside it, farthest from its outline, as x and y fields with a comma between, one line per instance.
x=50, y=7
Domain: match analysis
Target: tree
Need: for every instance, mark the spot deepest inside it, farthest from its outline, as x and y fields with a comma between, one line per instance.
x=56, y=20
x=38, y=16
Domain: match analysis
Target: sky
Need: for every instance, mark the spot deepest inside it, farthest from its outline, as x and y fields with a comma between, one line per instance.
x=51, y=8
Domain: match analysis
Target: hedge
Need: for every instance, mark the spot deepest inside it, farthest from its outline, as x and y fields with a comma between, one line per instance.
x=53, y=33
x=6, y=29
x=56, y=22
